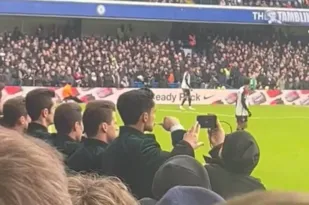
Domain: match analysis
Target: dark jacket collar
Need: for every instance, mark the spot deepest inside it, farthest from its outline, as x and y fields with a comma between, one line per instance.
x=131, y=130
x=62, y=137
x=33, y=127
x=94, y=142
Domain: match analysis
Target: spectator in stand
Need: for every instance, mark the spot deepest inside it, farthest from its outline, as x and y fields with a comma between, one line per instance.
x=31, y=172
x=100, y=125
x=94, y=190
x=233, y=159
x=40, y=107
x=136, y=156
x=69, y=126
x=15, y=115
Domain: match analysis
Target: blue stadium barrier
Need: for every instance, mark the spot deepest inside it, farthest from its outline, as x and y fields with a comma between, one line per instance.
x=152, y=11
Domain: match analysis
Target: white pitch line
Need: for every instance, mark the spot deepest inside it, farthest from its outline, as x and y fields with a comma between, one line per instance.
x=233, y=116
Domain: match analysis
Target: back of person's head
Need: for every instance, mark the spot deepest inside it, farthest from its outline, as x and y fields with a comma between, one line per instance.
x=39, y=103
x=100, y=117
x=137, y=106
x=240, y=153
x=31, y=172
x=180, y=170
x=15, y=114
x=93, y=190
x=270, y=198
x=68, y=120
x=186, y=195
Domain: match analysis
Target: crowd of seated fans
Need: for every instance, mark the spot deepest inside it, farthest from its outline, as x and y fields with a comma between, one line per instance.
x=126, y=166
x=218, y=60
x=251, y=3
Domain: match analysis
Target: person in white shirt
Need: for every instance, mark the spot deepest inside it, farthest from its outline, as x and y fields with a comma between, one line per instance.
x=186, y=87
x=242, y=111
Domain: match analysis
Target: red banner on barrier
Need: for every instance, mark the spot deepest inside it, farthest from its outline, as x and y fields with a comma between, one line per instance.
x=175, y=96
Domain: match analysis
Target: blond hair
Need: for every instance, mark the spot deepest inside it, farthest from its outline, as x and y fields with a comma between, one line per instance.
x=31, y=172
x=94, y=190
x=271, y=198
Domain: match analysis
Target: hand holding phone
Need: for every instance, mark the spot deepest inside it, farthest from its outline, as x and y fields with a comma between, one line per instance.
x=207, y=121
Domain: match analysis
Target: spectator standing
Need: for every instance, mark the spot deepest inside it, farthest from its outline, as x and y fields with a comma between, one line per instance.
x=135, y=156
x=40, y=107
x=100, y=125
x=15, y=115
x=69, y=126
x=233, y=158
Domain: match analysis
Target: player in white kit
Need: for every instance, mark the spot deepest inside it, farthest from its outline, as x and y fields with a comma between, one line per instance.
x=186, y=88
x=242, y=111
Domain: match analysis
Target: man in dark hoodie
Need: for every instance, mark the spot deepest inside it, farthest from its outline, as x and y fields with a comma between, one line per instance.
x=233, y=159
x=40, y=107
x=100, y=125
x=69, y=126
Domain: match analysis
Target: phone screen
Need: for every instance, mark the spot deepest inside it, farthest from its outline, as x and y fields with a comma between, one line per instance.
x=207, y=121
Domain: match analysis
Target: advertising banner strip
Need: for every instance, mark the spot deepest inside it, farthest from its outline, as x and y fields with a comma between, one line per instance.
x=175, y=96
x=159, y=12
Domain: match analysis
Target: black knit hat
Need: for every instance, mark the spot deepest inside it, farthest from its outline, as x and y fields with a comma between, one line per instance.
x=179, y=171
x=240, y=152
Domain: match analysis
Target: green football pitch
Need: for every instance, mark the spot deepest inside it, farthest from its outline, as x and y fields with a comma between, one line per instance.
x=282, y=133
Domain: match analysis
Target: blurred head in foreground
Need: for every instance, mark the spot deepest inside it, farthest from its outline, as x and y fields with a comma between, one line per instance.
x=15, y=115
x=93, y=190
x=31, y=172
x=270, y=198
x=137, y=109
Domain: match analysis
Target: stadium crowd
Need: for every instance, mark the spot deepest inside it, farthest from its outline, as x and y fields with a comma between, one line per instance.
x=255, y=3
x=216, y=59
x=91, y=161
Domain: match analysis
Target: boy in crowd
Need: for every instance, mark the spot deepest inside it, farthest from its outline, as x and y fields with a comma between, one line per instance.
x=69, y=126
x=40, y=107
x=15, y=115
x=100, y=126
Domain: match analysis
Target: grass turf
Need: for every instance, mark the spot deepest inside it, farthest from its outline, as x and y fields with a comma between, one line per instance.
x=281, y=132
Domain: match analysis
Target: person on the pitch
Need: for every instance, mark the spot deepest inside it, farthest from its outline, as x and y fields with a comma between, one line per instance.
x=186, y=88
x=242, y=111
x=67, y=94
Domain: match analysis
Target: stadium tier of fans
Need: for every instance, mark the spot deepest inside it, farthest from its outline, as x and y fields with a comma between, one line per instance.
x=257, y=3
x=112, y=166
x=219, y=58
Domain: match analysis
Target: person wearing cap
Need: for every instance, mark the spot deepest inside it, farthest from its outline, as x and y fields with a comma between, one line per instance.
x=189, y=195
x=233, y=159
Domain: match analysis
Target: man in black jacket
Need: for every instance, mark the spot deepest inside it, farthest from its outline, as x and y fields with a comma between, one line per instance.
x=40, y=107
x=233, y=159
x=135, y=156
x=69, y=126
x=100, y=125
